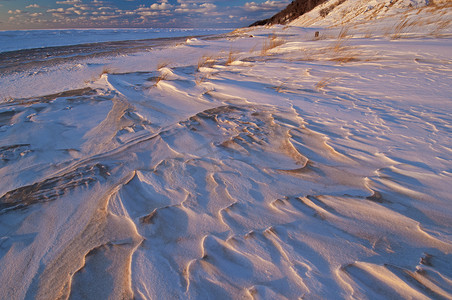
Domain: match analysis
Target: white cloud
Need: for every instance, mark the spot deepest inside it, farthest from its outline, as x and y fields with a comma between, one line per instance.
x=69, y=2
x=103, y=18
x=267, y=5
x=99, y=3
x=195, y=8
x=208, y=6
x=197, y=2
x=148, y=13
x=56, y=10
x=73, y=10
x=32, y=6
x=161, y=6
x=58, y=15
x=82, y=6
x=14, y=12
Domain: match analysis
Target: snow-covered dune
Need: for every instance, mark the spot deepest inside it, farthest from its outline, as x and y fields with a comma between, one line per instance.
x=268, y=164
x=376, y=13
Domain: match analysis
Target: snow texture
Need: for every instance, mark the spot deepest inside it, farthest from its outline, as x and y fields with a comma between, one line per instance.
x=265, y=164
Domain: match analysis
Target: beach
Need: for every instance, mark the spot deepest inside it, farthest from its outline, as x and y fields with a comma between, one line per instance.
x=263, y=163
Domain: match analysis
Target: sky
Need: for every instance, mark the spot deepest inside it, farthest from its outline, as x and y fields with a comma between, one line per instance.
x=43, y=14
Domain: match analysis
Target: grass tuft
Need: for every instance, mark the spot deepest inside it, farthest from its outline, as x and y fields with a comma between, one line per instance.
x=162, y=65
x=323, y=83
x=206, y=62
x=339, y=44
x=232, y=56
x=201, y=78
x=162, y=76
x=325, y=11
x=106, y=70
x=271, y=42
x=7, y=99
x=402, y=27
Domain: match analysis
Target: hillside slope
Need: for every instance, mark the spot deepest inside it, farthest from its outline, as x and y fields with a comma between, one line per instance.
x=295, y=9
x=342, y=12
x=339, y=12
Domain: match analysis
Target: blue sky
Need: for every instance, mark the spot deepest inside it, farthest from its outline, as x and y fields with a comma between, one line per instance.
x=29, y=14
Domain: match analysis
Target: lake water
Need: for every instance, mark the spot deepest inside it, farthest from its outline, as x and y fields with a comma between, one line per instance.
x=30, y=39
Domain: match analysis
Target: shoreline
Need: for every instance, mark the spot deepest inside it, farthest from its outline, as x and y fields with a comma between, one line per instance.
x=104, y=35
x=12, y=61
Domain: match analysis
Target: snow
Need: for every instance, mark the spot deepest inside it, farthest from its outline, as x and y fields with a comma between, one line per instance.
x=265, y=164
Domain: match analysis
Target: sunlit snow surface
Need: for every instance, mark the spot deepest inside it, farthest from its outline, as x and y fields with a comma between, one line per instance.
x=228, y=168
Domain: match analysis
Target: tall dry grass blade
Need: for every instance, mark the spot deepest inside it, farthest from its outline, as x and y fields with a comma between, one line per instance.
x=271, y=42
